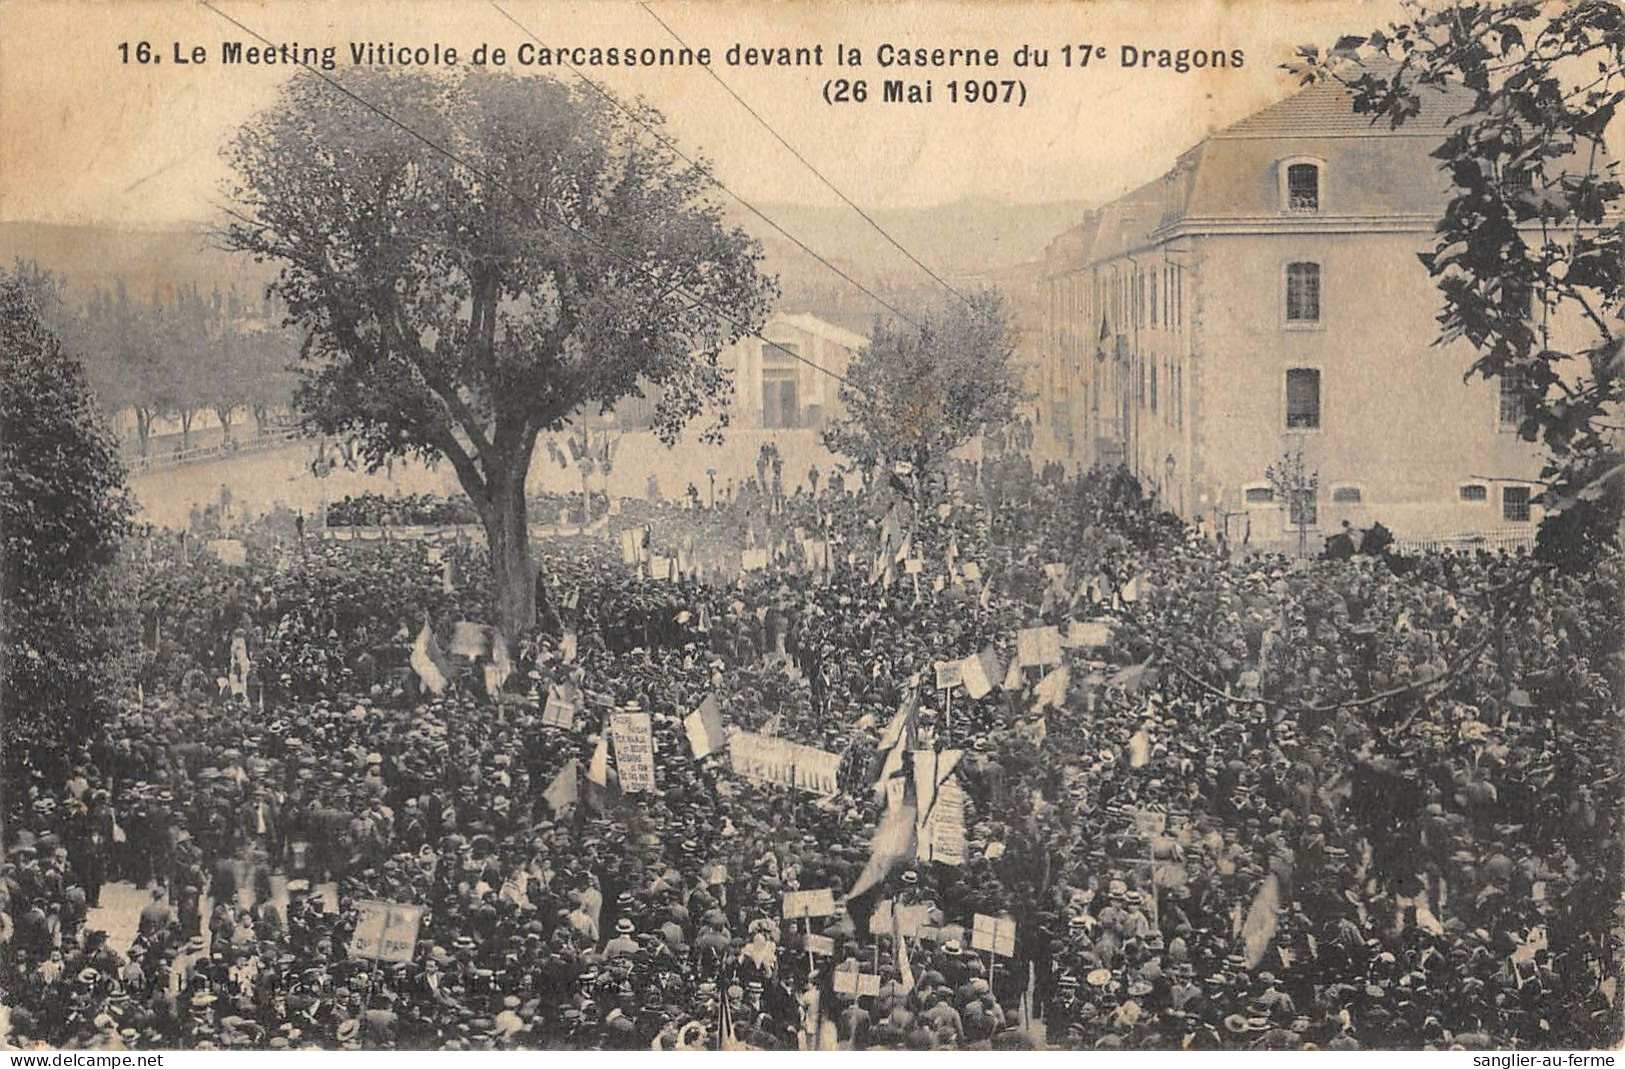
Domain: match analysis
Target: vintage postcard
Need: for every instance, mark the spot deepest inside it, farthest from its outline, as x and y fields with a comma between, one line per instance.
x=913, y=526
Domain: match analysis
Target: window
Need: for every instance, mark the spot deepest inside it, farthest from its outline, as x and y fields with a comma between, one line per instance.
x=1259, y=495
x=1346, y=495
x=1303, y=187
x=1513, y=408
x=1153, y=298
x=1303, y=293
x=1303, y=512
x=1515, y=504
x=1303, y=398
x=1475, y=493
x=1153, y=363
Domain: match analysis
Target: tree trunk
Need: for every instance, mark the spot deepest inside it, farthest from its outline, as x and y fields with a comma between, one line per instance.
x=513, y=581
x=224, y=415
x=186, y=428
x=143, y=431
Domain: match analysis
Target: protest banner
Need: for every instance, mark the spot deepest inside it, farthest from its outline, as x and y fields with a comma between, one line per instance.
x=822, y=945
x=971, y=571
x=788, y=764
x=1037, y=646
x=386, y=931
x=997, y=935
x=816, y=770
x=633, y=737
x=753, y=560
x=949, y=674
x=944, y=842
x=659, y=568
x=819, y=902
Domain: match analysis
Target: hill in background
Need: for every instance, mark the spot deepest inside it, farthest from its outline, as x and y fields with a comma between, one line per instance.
x=967, y=243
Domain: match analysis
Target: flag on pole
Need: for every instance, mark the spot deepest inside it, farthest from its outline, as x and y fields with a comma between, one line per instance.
x=905, y=972
x=704, y=728
x=1258, y=930
x=501, y=666
x=565, y=788
x=598, y=768
x=1051, y=690
x=980, y=671
x=428, y=662
x=1139, y=749
x=893, y=841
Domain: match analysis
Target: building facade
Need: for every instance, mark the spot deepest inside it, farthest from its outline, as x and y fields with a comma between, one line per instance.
x=781, y=383
x=1264, y=297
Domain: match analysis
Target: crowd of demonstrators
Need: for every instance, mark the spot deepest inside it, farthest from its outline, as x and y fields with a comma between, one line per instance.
x=1279, y=804
x=371, y=509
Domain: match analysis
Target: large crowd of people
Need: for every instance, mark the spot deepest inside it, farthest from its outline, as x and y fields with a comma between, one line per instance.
x=1251, y=802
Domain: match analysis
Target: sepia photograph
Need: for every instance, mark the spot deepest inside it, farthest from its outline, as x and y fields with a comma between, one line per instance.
x=729, y=525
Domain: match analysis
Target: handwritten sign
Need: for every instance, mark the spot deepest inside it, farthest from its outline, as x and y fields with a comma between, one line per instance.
x=821, y=944
x=857, y=983
x=386, y=931
x=1038, y=646
x=1088, y=634
x=819, y=902
x=997, y=934
x=634, y=742
x=949, y=674
x=562, y=703
x=945, y=838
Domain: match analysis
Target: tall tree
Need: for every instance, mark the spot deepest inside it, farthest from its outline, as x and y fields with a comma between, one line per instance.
x=458, y=307
x=1530, y=250
x=63, y=513
x=920, y=390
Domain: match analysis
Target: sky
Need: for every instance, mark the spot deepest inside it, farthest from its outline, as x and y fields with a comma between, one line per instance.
x=85, y=137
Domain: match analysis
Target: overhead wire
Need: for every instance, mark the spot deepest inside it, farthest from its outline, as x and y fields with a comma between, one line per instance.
x=497, y=182
x=831, y=186
x=702, y=169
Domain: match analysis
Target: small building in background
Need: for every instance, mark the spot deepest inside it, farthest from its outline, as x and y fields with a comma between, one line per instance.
x=787, y=381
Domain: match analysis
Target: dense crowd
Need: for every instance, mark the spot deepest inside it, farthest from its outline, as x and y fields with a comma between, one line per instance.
x=1271, y=803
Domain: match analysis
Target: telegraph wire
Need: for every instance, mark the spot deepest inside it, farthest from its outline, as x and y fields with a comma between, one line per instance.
x=865, y=216
x=486, y=176
x=702, y=169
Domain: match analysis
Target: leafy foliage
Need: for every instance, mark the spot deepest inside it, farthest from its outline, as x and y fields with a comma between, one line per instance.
x=458, y=307
x=1295, y=486
x=916, y=393
x=1530, y=250
x=63, y=513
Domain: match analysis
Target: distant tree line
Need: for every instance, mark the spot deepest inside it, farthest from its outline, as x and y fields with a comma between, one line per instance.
x=180, y=352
